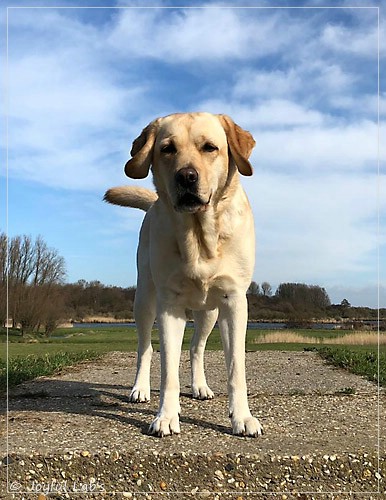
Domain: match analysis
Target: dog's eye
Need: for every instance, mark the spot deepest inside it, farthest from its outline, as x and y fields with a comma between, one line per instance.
x=168, y=148
x=208, y=147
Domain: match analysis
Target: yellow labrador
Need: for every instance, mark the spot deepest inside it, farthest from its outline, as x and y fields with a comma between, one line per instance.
x=196, y=251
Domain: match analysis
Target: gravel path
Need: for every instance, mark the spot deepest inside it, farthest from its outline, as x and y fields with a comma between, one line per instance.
x=77, y=433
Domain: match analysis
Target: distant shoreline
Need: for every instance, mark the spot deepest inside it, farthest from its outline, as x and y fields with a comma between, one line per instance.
x=349, y=324
x=104, y=319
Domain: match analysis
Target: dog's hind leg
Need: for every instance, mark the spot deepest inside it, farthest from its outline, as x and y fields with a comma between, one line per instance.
x=144, y=313
x=204, y=322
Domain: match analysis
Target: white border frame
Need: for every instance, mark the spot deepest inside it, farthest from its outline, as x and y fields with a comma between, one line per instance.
x=207, y=7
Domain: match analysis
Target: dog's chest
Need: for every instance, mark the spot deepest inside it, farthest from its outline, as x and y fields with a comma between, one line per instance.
x=203, y=289
x=197, y=264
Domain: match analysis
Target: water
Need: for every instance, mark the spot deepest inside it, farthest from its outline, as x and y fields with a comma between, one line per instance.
x=251, y=325
x=104, y=325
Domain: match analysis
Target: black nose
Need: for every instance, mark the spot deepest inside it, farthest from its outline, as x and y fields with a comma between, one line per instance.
x=187, y=177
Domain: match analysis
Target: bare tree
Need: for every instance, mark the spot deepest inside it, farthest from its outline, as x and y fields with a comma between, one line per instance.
x=267, y=289
x=33, y=270
x=48, y=266
x=20, y=260
x=3, y=279
x=254, y=289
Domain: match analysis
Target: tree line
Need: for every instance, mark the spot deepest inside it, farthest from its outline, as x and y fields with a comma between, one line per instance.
x=32, y=275
x=291, y=301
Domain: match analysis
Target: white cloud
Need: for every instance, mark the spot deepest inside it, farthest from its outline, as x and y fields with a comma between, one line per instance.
x=361, y=106
x=349, y=147
x=49, y=87
x=271, y=113
x=44, y=31
x=67, y=109
x=331, y=77
x=268, y=84
x=65, y=135
x=284, y=113
x=340, y=38
x=314, y=228
x=314, y=76
x=326, y=86
x=65, y=129
x=208, y=34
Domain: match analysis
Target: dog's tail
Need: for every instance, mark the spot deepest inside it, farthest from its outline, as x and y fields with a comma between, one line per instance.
x=130, y=196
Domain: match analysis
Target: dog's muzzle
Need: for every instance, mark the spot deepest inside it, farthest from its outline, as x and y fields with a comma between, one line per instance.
x=188, y=199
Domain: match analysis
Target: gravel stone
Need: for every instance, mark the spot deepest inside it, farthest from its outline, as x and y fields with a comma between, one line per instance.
x=76, y=434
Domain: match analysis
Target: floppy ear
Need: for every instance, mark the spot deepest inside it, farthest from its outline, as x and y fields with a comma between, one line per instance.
x=142, y=152
x=240, y=144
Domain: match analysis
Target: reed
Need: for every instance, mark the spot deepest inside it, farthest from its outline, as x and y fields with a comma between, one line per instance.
x=359, y=338
x=355, y=338
x=286, y=338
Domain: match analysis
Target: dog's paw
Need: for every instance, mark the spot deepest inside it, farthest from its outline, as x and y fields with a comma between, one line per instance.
x=165, y=426
x=202, y=392
x=139, y=395
x=248, y=426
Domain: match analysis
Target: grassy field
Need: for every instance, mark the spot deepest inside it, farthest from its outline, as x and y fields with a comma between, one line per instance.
x=37, y=355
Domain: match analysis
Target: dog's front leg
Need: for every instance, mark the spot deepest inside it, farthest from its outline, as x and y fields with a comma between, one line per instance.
x=171, y=324
x=233, y=324
x=204, y=322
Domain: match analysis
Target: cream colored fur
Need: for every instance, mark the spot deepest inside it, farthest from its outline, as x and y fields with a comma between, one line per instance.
x=130, y=196
x=195, y=252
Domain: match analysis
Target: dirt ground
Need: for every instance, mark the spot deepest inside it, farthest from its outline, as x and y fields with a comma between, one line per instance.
x=76, y=434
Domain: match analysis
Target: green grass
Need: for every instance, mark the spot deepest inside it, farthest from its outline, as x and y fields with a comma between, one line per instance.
x=359, y=361
x=37, y=355
x=22, y=368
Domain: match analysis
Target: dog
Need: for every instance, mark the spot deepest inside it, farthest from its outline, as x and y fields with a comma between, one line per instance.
x=196, y=251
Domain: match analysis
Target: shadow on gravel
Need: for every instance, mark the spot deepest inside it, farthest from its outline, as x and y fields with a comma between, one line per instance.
x=107, y=401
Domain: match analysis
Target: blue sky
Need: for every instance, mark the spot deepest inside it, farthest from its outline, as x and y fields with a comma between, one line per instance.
x=82, y=83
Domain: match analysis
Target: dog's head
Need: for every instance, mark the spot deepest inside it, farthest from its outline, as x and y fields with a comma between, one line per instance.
x=194, y=157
